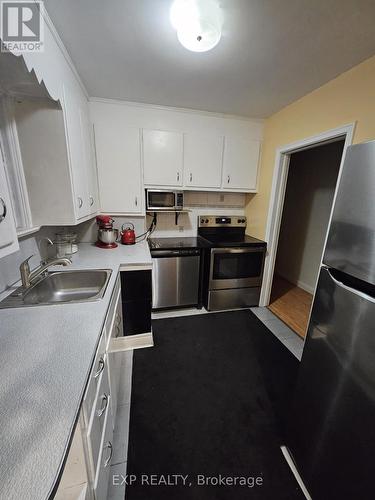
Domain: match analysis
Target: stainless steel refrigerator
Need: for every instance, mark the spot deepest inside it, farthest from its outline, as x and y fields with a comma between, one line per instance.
x=331, y=435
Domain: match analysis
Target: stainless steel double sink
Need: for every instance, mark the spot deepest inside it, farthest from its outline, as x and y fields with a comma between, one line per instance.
x=60, y=287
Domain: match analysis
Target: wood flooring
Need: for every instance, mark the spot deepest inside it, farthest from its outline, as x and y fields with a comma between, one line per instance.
x=291, y=304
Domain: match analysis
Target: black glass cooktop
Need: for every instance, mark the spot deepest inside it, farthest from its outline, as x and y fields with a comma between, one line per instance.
x=218, y=240
x=234, y=240
x=171, y=243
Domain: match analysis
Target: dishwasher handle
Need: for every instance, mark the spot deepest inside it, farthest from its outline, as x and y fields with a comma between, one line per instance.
x=186, y=252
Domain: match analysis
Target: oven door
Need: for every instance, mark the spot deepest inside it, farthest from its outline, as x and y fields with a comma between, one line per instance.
x=161, y=200
x=236, y=267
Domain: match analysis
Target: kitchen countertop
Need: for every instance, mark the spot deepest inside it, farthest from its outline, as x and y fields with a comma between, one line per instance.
x=45, y=357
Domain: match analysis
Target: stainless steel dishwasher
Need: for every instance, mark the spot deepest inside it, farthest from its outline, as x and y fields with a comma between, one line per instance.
x=175, y=280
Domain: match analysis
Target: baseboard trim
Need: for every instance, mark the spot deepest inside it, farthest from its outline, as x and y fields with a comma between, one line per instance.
x=293, y=468
x=299, y=283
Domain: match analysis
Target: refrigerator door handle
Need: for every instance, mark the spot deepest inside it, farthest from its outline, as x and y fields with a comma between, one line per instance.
x=350, y=289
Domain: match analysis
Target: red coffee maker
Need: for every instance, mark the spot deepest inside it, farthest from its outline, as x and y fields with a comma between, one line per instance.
x=107, y=235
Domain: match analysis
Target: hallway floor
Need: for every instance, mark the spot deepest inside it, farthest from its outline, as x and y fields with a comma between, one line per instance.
x=291, y=304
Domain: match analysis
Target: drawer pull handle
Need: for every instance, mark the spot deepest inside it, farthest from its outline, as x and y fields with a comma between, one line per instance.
x=104, y=407
x=101, y=367
x=108, y=445
x=91, y=201
x=117, y=328
x=80, y=202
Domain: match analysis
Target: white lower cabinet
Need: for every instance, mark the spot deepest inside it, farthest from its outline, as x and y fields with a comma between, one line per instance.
x=104, y=461
x=87, y=469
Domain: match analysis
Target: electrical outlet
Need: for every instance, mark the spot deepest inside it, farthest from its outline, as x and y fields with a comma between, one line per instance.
x=181, y=228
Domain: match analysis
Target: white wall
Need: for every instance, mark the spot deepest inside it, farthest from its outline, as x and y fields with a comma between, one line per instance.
x=163, y=118
x=198, y=203
x=308, y=200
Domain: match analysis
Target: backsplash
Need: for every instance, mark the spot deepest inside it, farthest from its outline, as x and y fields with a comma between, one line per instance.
x=198, y=203
x=9, y=265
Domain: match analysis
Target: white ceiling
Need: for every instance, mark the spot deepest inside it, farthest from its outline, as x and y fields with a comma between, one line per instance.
x=271, y=53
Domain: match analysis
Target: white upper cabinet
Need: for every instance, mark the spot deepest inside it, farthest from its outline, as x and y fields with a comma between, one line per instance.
x=118, y=155
x=203, y=160
x=240, y=167
x=76, y=150
x=89, y=155
x=162, y=158
x=8, y=234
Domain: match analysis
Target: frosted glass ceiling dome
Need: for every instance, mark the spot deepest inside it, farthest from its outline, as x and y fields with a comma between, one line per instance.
x=198, y=23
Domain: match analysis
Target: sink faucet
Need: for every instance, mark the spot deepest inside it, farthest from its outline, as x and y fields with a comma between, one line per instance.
x=27, y=276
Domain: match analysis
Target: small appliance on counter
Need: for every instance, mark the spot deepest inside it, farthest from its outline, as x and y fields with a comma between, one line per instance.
x=65, y=243
x=107, y=235
x=233, y=270
x=127, y=234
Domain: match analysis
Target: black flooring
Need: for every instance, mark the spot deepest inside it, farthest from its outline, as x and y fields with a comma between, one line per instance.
x=208, y=400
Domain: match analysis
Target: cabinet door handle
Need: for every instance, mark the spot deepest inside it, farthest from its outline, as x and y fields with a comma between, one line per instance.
x=191, y=177
x=101, y=367
x=228, y=180
x=80, y=202
x=91, y=201
x=3, y=209
x=178, y=176
x=104, y=407
x=110, y=447
x=136, y=201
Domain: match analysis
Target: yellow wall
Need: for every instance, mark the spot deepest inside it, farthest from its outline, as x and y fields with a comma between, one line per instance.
x=346, y=99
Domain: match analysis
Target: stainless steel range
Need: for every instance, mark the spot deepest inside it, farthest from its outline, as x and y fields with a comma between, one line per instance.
x=234, y=265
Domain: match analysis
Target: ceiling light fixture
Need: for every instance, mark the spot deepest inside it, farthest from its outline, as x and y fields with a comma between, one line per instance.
x=198, y=23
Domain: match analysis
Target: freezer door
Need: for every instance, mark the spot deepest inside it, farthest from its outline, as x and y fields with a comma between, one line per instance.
x=351, y=240
x=332, y=433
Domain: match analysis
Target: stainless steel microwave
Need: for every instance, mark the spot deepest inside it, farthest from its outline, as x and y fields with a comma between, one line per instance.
x=164, y=199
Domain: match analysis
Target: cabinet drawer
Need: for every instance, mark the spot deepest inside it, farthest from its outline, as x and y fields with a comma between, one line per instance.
x=95, y=375
x=98, y=416
x=104, y=462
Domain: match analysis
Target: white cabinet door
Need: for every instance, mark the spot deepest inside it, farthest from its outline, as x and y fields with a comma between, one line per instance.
x=72, y=110
x=8, y=234
x=203, y=160
x=118, y=154
x=162, y=158
x=240, y=169
x=87, y=142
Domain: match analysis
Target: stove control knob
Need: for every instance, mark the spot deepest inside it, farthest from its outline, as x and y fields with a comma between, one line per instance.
x=202, y=221
x=206, y=221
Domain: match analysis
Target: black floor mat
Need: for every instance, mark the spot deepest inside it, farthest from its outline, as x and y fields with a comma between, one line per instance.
x=209, y=400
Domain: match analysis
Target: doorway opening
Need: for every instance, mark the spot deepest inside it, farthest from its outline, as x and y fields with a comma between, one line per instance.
x=310, y=188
